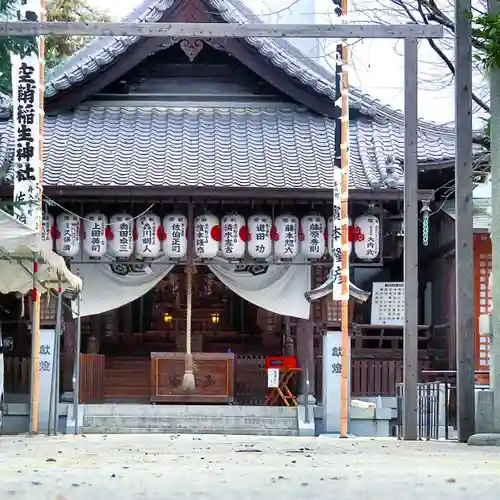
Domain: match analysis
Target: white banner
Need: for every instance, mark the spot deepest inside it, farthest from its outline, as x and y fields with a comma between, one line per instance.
x=111, y=284
x=26, y=116
x=2, y=382
x=337, y=236
x=45, y=369
x=332, y=380
x=279, y=289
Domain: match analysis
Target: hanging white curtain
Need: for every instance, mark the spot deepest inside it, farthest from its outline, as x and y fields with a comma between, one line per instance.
x=280, y=289
x=109, y=284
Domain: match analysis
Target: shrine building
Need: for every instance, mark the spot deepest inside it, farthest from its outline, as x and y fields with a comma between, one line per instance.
x=186, y=174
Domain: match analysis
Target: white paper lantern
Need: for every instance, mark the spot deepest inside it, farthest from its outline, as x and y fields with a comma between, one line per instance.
x=286, y=245
x=234, y=236
x=175, y=244
x=206, y=236
x=48, y=231
x=95, y=227
x=312, y=240
x=68, y=235
x=121, y=236
x=366, y=237
x=260, y=229
x=331, y=237
x=149, y=231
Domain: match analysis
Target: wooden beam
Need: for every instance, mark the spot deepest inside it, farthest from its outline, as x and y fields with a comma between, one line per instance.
x=221, y=30
x=201, y=193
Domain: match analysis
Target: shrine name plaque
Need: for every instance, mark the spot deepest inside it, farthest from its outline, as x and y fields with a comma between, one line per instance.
x=213, y=373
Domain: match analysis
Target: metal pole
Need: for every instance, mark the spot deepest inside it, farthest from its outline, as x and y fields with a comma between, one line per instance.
x=465, y=331
x=35, y=351
x=76, y=371
x=494, y=79
x=57, y=365
x=305, y=391
x=52, y=389
x=410, y=364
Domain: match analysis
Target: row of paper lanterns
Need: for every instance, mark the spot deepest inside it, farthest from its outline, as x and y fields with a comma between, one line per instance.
x=231, y=237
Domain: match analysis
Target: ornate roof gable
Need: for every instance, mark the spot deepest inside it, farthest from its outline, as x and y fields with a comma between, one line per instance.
x=280, y=53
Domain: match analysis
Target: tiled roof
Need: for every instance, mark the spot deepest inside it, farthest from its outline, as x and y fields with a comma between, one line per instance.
x=272, y=146
x=281, y=53
x=481, y=207
x=279, y=146
x=481, y=218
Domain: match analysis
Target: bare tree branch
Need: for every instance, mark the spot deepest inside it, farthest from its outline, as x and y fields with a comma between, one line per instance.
x=434, y=11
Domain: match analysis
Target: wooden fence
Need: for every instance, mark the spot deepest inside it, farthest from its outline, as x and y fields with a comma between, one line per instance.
x=372, y=377
x=17, y=377
x=17, y=374
x=92, y=378
x=369, y=377
x=250, y=380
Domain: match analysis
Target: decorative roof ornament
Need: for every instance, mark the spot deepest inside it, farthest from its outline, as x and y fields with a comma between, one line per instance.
x=327, y=289
x=191, y=47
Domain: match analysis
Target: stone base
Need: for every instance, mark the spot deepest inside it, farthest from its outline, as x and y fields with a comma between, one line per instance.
x=310, y=399
x=484, y=440
x=485, y=412
x=306, y=428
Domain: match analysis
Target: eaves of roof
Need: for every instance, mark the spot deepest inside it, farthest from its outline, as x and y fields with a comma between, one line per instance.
x=279, y=52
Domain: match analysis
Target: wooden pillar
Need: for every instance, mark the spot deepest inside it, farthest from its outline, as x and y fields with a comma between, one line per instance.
x=94, y=339
x=288, y=349
x=305, y=350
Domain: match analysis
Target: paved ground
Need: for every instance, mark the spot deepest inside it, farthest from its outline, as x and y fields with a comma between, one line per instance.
x=243, y=468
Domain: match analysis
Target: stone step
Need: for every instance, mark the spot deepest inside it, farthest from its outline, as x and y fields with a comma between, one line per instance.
x=184, y=411
x=194, y=424
x=141, y=430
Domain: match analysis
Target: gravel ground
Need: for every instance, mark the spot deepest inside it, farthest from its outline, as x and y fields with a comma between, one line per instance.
x=219, y=467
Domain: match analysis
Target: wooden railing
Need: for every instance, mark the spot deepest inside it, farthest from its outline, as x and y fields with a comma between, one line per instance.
x=91, y=378
x=369, y=377
x=17, y=374
x=373, y=377
x=17, y=377
x=250, y=380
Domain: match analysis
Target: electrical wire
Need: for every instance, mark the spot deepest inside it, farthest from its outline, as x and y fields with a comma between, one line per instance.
x=53, y=203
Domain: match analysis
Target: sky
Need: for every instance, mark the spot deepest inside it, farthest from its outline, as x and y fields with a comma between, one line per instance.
x=376, y=66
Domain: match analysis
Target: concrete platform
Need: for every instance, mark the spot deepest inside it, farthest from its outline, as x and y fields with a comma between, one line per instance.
x=189, y=419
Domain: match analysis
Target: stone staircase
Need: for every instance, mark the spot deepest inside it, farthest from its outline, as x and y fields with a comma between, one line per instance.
x=189, y=419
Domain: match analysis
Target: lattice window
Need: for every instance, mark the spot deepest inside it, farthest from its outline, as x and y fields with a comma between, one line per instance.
x=484, y=278
x=325, y=309
x=333, y=310
x=48, y=307
x=483, y=300
x=110, y=323
x=484, y=306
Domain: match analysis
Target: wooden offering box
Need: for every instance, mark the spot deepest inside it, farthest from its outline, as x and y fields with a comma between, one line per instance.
x=213, y=373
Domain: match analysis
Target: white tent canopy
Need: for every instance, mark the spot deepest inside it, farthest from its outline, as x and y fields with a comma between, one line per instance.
x=18, y=246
